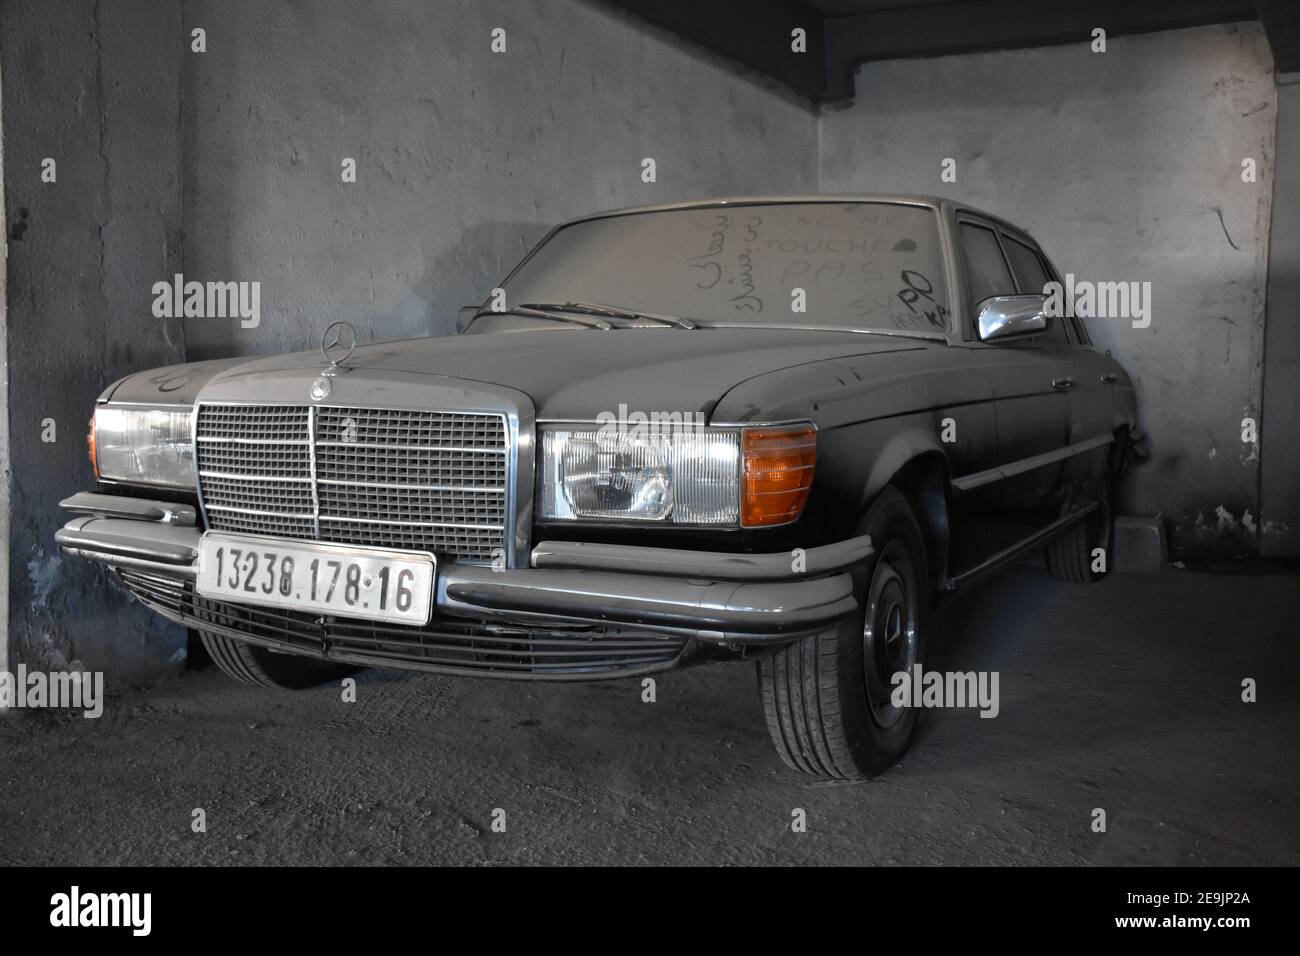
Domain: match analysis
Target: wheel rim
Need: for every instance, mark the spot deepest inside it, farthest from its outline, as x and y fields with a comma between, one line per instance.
x=889, y=630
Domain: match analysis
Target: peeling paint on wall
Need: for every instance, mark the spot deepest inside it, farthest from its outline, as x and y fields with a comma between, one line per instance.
x=43, y=572
x=81, y=262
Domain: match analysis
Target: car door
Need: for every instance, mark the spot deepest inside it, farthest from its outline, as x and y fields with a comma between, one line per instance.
x=1031, y=380
x=1092, y=377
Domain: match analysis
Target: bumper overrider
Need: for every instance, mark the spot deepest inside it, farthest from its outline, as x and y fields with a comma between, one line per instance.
x=578, y=611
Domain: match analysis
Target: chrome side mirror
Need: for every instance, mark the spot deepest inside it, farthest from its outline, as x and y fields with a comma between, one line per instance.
x=1002, y=316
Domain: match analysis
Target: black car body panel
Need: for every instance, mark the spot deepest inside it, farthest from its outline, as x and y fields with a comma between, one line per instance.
x=994, y=450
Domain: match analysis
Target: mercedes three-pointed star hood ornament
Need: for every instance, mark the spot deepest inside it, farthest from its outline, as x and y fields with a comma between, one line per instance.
x=336, y=345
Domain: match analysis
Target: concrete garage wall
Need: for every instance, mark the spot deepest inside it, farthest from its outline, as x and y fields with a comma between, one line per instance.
x=465, y=157
x=5, y=469
x=97, y=89
x=1126, y=165
x=1280, y=453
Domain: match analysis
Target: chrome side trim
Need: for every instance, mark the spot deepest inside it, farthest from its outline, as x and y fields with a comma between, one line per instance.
x=980, y=478
x=1020, y=548
x=1089, y=444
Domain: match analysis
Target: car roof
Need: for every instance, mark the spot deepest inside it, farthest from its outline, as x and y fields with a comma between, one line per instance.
x=932, y=201
x=938, y=203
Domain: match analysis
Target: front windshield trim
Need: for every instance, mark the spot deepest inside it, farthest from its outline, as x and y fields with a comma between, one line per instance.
x=925, y=202
x=757, y=326
x=801, y=327
x=934, y=205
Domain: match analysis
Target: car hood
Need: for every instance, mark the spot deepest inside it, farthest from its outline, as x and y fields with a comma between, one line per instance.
x=567, y=373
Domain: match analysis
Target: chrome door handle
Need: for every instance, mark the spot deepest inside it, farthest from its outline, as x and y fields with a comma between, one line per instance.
x=1061, y=384
x=1109, y=378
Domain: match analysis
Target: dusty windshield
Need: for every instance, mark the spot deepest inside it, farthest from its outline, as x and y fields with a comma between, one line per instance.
x=864, y=265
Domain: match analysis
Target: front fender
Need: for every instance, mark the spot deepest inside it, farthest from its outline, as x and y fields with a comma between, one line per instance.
x=896, y=453
x=168, y=385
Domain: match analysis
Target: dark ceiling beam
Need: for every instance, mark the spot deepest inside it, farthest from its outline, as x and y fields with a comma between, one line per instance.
x=920, y=31
x=1281, y=19
x=756, y=33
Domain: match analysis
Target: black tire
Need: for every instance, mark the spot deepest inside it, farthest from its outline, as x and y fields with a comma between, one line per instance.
x=1070, y=556
x=826, y=697
x=255, y=665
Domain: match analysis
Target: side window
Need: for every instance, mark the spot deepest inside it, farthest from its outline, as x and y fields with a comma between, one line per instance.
x=1031, y=276
x=1076, y=327
x=986, y=270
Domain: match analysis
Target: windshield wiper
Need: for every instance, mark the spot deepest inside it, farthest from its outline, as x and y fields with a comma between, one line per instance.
x=554, y=315
x=609, y=312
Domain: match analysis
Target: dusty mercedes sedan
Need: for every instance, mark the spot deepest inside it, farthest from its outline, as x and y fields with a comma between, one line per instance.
x=771, y=430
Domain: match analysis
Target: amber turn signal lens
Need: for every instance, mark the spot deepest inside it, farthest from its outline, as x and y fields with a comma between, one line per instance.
x=777, y=475
x=90, y=448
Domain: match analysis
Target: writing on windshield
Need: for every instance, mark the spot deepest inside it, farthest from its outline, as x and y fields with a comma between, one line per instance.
x=859, y=265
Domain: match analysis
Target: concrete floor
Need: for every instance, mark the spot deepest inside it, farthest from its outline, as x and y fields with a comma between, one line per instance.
x=1125, y=696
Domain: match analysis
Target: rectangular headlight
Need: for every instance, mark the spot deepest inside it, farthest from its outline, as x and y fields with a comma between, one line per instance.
x=683, y=476
x=141, y=445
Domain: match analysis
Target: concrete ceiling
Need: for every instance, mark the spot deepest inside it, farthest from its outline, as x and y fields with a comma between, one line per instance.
x=844, y=33
x=845, y=8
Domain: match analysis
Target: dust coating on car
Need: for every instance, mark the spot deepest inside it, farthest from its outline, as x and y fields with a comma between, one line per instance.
x=775, y=430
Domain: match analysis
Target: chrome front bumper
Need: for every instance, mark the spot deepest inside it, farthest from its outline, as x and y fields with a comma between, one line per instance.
x=715, y=598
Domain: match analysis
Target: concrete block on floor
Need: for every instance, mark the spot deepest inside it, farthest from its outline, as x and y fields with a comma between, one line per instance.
x=1139, y=545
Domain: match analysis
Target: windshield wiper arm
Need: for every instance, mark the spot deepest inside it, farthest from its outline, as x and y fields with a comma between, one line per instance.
x=610, y=311
x=554, y=315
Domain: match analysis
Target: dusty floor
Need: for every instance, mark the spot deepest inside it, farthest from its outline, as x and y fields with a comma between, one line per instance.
x=1124, y=697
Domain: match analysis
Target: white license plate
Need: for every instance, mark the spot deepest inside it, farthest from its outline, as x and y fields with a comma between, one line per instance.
x=379, y=584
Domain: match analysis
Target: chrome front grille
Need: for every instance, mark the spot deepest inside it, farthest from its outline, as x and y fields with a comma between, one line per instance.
x=396, y=478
